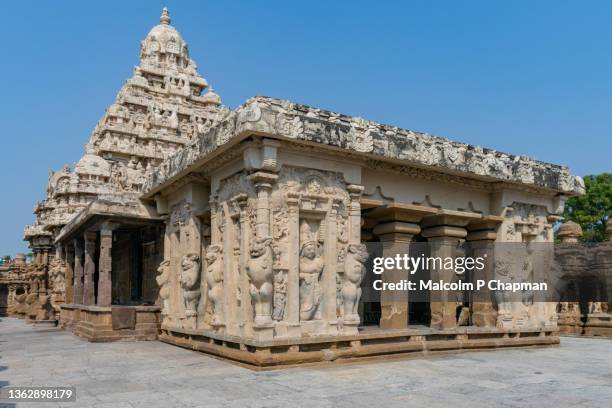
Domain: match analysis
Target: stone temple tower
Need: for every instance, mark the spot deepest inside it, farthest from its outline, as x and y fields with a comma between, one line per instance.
x=162, y=107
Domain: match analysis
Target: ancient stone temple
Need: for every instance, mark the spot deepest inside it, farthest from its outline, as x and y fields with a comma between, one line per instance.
x=585, y=283
x=14, y=286
x=247, y=233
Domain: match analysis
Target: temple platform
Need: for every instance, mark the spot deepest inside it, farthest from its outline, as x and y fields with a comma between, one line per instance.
x=370, y=342
x=115, y=323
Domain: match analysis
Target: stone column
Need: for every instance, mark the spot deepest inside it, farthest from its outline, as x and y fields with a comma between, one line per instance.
x=105, y=266
x=11, y=296
x=69, y=262
x=293, y=256
x=37, y=256
x=78, y=271
x=354, y=214
x=482, y=245
x=45, y=256
x=263, y=186
x=443, y=241
x=395, y=238
x=263, y=297
x=245, y=233
x=89, y=268
x=328, y=276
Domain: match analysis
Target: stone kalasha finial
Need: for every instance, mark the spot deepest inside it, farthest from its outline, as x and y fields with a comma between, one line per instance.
x=165, y=16
x=570, y=231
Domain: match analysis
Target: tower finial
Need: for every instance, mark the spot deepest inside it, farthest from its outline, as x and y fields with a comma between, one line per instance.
x=165, y=16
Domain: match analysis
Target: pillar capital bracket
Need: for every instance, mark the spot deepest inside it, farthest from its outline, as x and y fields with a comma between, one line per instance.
x=444, y=231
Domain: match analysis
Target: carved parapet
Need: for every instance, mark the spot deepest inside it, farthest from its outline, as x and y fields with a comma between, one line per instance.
x=273, y=117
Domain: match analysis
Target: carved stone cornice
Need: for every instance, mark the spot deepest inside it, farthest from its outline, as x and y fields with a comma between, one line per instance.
x=474, y=166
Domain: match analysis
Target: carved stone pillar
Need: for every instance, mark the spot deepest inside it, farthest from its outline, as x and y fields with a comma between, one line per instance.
x=395, y=238
x=263, y=186
x=105, y=266
x=78, y=271
x=37, y=256
x=354, y=213
x=483, y=312
x=45, y=256
x=443, y=241
x=69, y=262
x=293, y=245
x=259, y=266
x=328, y=276
x=89, y=268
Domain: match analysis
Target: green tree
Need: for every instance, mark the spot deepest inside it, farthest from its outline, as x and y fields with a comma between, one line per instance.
x=592, y=210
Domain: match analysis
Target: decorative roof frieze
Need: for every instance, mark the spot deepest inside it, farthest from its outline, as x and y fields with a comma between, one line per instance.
x=283, y=119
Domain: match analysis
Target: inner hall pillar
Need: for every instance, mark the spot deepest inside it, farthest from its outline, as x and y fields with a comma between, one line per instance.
x=78, y=271
x=68, y=254
x=444, y=240
x=89, y=268
x=105, y=266
x=395, y=238
x=481, y=237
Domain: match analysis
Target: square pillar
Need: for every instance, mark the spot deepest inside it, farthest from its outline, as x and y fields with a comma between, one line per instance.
x=443, y=241
x=68, y=254
x=395, y=238
x=482, y=244
x=78, y=271
x=105, y=267
x=89, y=268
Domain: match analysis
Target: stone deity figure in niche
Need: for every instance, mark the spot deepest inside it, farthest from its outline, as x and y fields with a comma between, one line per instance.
x=311, y=268
x=259, y=271
x=280, y=296
x=354, y=271
x=163, y=281
x=214, y=280
x=190, y=283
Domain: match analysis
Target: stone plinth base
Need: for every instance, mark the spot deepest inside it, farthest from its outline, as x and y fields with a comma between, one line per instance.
x=373, y=343
x=95, y=323
x=50, y=323
x=570, y=324
x=598, y=324
x=595, y=324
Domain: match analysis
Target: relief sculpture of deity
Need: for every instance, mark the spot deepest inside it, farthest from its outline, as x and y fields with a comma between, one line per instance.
x=354, y=271
x=259, y=271
x=190, y=279
x=163, y=281
x=311, y=268
x=214, y=280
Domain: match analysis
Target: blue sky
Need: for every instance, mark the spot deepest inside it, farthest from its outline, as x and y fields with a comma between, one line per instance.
x=528, y=77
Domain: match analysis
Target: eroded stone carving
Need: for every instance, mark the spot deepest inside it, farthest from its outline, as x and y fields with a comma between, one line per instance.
x=190, y=280
x=311, y=267
x=163, y=281
x=214, y=280
x=259, y=271
x=354, y=271
x=280, y=295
